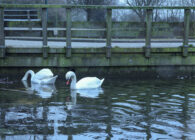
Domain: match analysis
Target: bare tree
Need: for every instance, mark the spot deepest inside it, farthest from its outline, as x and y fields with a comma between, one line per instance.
x=93, y=14
x=140, y=12
x=174, y=15
x=189, y=3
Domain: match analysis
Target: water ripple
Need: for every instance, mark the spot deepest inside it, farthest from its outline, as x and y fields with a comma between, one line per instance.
x=141, y=109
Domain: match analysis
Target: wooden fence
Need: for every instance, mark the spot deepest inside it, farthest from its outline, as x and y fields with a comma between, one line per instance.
x=44, y=7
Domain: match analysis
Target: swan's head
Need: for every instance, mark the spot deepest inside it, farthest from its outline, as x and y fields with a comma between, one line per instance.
x=69, y=76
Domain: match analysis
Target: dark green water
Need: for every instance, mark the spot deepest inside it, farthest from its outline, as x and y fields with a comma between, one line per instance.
x=122, y=109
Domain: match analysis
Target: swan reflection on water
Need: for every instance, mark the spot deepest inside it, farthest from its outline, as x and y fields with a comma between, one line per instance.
x=44, y=91
x=87, y=93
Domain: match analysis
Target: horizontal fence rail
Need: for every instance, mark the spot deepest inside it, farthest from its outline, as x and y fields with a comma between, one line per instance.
x=22, y=15
x=44, y=28
x=91, y=6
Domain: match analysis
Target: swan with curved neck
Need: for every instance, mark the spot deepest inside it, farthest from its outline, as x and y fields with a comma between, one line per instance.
x=29, y=72
x=84, y=83
x=44, y=76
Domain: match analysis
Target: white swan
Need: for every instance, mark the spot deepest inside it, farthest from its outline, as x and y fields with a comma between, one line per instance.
x=44, y=76
x=84, y=83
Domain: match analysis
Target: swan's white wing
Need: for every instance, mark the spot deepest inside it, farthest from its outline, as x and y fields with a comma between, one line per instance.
x=43, y=74
x=88, y=82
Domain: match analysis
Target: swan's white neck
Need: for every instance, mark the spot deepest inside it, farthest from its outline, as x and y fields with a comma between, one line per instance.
x=73, y=82
x=27, y=73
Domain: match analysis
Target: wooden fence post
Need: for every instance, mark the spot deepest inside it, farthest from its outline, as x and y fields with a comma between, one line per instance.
x=186, y=32
x=44, y=32
x=148, y=32
x=2, y=35
x=68, y=32
x=108, y=33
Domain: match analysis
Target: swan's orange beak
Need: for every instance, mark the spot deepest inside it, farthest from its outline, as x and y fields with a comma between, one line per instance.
x=68, y=82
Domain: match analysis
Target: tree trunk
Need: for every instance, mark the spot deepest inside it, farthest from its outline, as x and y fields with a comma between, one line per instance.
x=88, y=14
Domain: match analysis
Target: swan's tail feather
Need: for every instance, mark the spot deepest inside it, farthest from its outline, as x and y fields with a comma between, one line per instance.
x=53, y=80
x=50, y=80
x=101, y=81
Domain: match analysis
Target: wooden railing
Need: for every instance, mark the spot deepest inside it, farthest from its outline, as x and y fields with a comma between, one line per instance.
x=149, y=12
x=21, y=15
